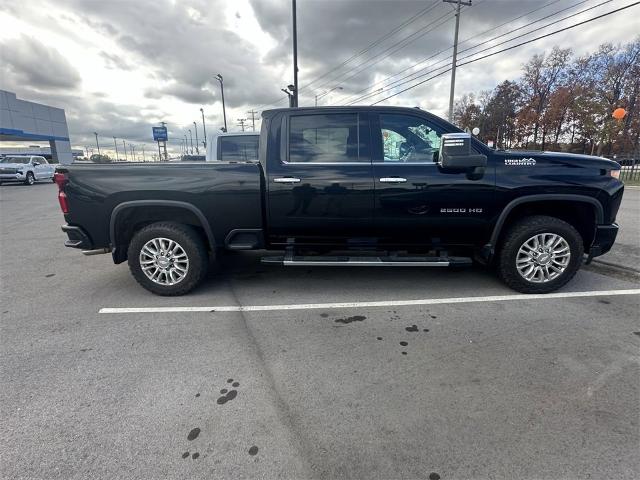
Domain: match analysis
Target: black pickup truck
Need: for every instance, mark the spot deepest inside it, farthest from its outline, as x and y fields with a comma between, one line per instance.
x=341, y=186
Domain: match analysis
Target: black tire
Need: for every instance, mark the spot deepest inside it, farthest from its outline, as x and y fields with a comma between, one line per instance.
x=192, y=244
x=525, y=229
x=30, y=179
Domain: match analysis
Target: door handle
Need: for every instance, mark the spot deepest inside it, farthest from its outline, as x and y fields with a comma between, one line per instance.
x=286, y=180
x=392, y=180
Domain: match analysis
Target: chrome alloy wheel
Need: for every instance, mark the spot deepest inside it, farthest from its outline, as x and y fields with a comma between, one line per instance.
x=164, y=261
x=543, y=257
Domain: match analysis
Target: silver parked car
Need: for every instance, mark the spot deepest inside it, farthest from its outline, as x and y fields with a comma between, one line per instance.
x=25, y=168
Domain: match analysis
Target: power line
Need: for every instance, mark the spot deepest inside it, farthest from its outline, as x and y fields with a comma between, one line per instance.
x=346, y=99
x=514, y=46
x=399, y=82
x=410, y=20
x=420, y=33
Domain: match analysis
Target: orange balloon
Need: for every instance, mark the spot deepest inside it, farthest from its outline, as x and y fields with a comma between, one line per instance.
x=619, y=113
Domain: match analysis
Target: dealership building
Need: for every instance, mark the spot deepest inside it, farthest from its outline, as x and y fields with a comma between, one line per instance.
x=24, y=121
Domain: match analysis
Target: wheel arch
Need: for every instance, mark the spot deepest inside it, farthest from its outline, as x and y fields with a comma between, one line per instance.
x=145, y=212
x=567, y=207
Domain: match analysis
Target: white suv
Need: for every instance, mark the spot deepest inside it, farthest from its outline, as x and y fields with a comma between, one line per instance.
x=25, y=168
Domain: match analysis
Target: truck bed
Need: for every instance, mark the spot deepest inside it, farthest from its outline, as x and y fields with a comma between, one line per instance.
x=228, y=194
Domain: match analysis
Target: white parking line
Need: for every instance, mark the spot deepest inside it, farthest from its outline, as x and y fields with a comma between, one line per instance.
x=385, y=303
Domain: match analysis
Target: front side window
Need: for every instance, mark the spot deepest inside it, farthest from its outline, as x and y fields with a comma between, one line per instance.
x=410, y=139
x=241, y=148
x=326, y=138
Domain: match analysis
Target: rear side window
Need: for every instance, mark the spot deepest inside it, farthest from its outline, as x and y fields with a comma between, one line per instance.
x=324, y=138
x=243, y=148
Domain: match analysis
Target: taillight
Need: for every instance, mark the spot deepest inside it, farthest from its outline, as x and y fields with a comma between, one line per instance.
x=61, y=180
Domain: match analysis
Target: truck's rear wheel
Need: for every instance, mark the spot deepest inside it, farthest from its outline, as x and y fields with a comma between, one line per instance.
x=168, y=258
x=540, y=254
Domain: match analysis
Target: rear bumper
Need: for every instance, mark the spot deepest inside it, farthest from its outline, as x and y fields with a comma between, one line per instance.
x=604, y=239
x=77, y=238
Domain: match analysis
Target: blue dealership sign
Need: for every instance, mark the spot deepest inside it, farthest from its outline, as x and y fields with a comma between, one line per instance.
x=160, y=134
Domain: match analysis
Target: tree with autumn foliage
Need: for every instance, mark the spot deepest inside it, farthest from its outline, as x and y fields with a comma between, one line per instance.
x=563, y=103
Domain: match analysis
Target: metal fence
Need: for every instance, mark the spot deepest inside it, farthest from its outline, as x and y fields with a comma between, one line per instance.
x=630, y=167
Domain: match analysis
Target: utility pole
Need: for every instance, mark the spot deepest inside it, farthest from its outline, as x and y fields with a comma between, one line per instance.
x=116, y=145
x=294, y=99
x=195, y=128
x=124, y=146
x=133, y=152
x=241, y=122
x=204, y=129
x=253, y=118
x=97, y=144
x=191, y=137
x=224, y=111
x=144, y=159
x=86, y=149
x=458, y=3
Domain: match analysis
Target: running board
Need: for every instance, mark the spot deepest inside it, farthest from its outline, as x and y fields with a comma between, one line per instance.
x=361, y=261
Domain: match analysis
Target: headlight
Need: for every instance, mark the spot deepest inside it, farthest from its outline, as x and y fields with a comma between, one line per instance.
x=615, y=173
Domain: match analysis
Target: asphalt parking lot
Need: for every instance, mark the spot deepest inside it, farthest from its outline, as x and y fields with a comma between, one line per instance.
x=327, y=385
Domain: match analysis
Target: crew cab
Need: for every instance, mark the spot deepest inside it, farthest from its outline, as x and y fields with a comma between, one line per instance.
x=342, y=186
x=25, y=169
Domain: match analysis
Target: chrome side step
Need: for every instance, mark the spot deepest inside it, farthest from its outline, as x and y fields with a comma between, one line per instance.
x=362, y=261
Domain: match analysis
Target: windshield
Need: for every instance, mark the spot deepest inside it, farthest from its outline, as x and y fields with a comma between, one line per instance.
x=15, y=160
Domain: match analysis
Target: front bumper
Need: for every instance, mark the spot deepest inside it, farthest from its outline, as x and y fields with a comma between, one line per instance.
x=77, y=238
x=12, y=177
x=603, y=240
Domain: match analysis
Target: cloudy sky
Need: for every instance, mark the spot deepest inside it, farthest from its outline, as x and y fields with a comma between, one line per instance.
x=118, y=67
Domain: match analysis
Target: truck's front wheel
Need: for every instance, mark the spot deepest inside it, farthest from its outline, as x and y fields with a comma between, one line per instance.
x=168, y=258
x=540, y=254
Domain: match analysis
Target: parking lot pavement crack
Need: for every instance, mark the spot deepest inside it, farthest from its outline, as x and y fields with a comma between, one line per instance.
x=299, y=440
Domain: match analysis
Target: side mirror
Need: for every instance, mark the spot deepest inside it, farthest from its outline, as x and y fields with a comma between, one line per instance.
x=455, y=153
x=35, y=164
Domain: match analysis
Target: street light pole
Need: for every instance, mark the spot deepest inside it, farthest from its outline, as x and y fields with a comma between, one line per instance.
x=224, y=111
x=204, y=129
x=191, y=137
x=455, y=52
x=295, y=55
x=124, y=146
x=116, y=145
x=97, y=144
x=195, y=128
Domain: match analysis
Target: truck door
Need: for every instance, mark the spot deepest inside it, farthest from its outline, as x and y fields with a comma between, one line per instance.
x=415, y=200
x=320, y=177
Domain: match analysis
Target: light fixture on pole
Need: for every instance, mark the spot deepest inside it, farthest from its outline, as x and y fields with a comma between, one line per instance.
x=97, y=144
x=204, y=129
x=224, y=112
x=116, y=145
x=195, y=128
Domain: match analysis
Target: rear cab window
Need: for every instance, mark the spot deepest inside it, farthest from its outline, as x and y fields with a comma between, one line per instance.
x=326, y=138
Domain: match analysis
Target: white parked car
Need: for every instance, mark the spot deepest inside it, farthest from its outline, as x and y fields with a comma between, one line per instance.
x=25, y=168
